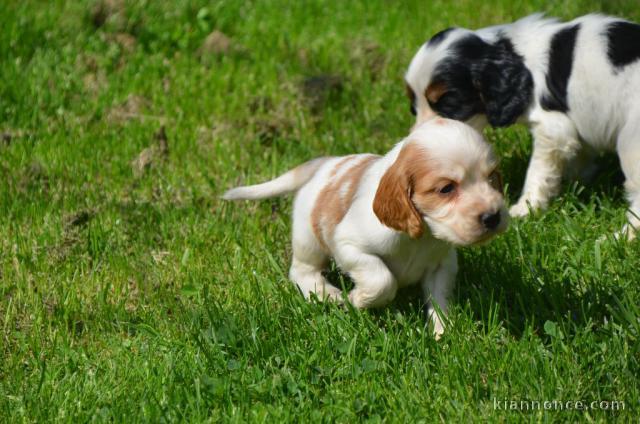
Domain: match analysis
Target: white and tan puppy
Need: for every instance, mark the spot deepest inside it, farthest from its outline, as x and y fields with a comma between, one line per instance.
x=394, y=220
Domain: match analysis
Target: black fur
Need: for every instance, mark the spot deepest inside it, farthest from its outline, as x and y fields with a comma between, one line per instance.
x=483, y=78
x=561, y=55
x=412, y=98
x=624, y=43
x=437, y=39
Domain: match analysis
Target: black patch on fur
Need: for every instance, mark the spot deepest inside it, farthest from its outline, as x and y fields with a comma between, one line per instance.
x=623, y=43
x=439, y=37
x=483, y=78
x=412, y=98
x=561, y=55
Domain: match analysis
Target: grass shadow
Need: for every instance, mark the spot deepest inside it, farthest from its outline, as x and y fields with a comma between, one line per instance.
x=522, y=298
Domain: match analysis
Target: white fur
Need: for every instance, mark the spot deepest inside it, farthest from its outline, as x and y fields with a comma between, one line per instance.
x=285, y=183
x=604, y=106
x=379, y=259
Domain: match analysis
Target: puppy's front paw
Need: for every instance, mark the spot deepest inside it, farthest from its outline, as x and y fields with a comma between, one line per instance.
x=519, y=210
x=436, y=324
x=331, y=293
x=438, y=331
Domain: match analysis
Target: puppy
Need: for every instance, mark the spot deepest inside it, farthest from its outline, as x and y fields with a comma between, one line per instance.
x=575, y=84
x=394, y=220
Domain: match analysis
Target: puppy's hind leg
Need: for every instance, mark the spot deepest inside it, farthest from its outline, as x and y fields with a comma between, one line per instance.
x=306, y=269
x=309, y=279
x=629, y=154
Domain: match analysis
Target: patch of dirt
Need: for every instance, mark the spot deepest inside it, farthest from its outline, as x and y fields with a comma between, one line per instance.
x=303, y=57
x=151, y=154
x=261, y=104
x=267, y=121
x=143, y=161
x=319, y=89
x=218, y=43
x=73, y=225
x=159, y=256
x=271, y=119
x=62, y=250
x=6, y=137
x=95, y=82
x=34, y=177
x=207, y=137
x=78, y=219
x=50, y=304
x=76, y=326
x=137, y=214
x=9, y=136
x=163, y=142
x=125, y=41
x=104, y=10
x=87, y=62
x=368, y=55
x=126, y=44
x=132, y=108
x=133, y=296
x=267, y=130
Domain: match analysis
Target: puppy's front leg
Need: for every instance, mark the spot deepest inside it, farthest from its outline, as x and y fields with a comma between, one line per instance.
x=553, y=145
x=629, y=155
x=437, y=286
x=375, y=285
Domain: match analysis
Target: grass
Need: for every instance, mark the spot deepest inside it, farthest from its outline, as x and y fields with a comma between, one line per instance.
x=130, y=292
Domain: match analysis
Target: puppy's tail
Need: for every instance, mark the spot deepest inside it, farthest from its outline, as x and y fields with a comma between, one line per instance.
x=286, y=183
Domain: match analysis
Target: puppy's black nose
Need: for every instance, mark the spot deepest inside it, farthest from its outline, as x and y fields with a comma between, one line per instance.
x=490, y=220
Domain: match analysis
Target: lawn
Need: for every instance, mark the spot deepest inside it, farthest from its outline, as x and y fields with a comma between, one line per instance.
x=130, y=292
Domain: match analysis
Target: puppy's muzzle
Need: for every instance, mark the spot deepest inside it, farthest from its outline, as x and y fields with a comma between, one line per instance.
x=490, y=221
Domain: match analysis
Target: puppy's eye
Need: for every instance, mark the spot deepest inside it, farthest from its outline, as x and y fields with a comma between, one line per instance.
x=447, y=189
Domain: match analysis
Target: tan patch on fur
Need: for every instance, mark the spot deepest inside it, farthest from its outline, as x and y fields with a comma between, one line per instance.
x=393, y=204
x=435, y=91
x=332, y=204
x=302, y=171
x=410, y=189
x=340, y=164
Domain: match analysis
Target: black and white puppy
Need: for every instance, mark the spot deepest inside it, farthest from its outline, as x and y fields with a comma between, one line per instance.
x=576, y=84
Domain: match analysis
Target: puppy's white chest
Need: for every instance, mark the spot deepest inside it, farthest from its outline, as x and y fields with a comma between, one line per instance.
x=412, y=260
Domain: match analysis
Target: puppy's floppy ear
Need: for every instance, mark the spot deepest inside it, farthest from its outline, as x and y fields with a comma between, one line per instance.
x=504, y=83
x=392, y=203
x=434, y=91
